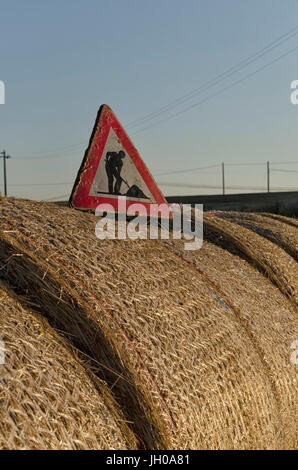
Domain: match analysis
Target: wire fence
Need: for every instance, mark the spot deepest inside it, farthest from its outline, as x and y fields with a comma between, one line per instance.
x=221, y=178
x=266, y=169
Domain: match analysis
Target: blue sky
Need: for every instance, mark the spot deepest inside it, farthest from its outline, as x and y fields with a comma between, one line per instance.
x=60, y=60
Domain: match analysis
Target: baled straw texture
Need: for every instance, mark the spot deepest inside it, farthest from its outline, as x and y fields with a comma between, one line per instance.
x=284, y=235
x=47, y=399
x=59, y=294
x=203, y=380
x=282, y=218
x=268, y=257
x=267, y=316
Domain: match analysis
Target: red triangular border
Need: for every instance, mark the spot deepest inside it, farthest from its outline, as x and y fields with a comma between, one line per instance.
x=80, y=198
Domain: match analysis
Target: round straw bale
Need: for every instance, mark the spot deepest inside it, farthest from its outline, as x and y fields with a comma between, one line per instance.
x=271, y=259
x=47, y=399
x=284, y=235
x=268, y=317
x=287, y=220
x=202, y=377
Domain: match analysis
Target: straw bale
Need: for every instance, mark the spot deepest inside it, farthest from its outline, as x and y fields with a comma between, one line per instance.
x=197, y=380
x=287, y=220
x=47, y=398
x=278, y=232
x=269, y=258
x=56, y=294
x=267, y=316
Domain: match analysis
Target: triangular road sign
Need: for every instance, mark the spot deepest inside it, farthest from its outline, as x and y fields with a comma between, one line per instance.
x=112, y=167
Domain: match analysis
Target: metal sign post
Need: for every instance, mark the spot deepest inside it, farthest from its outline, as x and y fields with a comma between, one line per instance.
x=4, y=156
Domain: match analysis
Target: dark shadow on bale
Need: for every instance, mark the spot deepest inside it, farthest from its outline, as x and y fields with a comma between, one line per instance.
x=45, y=292
x=222, y=234
x=265, y=229
x=49, y=397
x=287, y=220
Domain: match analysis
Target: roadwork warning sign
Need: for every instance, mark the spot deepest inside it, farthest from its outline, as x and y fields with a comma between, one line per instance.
x=112, y=167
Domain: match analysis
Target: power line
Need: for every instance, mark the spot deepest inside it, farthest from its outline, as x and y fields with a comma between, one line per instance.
x=45, y=157
x=285, y=163
x=186, y=171
x=246, y=164
x=174, y=184
x=279, y=170
x=206, y=186
x=210, y=83
x=189, y=170
x=52, y=154
x=261, y=163
x=220, y=91
x=39, y=184
x=224, y=75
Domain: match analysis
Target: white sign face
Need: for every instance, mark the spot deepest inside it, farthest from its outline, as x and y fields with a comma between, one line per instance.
x=117, y=174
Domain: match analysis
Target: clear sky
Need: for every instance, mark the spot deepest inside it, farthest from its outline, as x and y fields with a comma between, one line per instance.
x=61, y=59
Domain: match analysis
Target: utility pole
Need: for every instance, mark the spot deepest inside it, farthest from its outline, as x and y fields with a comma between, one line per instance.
x=223, y=177
x=4, y=156
x=268, y=177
